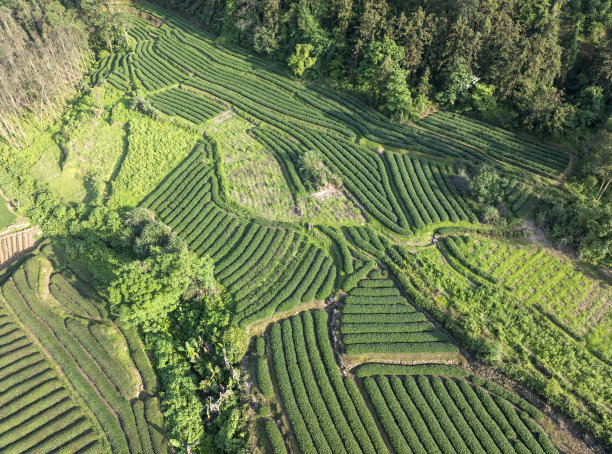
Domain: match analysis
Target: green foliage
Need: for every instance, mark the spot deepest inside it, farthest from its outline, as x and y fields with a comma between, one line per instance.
x=144, y=292
x=582, y=225
x=367, y=370
x=423, y=414
x=153, y=147
x=301, y=59
x=485, y=185
x=458, y=87
x=181, y=404
x=6, y=216
x=381, y=77
x=275, y=438
x=314, y=169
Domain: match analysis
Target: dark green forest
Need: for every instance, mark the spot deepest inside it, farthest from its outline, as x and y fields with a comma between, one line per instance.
x=541, y=65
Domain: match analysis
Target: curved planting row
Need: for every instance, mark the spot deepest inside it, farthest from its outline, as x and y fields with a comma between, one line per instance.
x=399, y=195
x=36, y=409
x=187, y=105
x=151, y=70
x=114, y=69
x=202, y=60
x=326, y=412
x=65, y=322
x=381, y=129
x=362, y=172
x=377, y=319
x=288, y=154
x=500, y=144
x=184, y=54
x=426, y=192
x=370, y=369
x=140, y=30
x=441, y=415
x=267, y=269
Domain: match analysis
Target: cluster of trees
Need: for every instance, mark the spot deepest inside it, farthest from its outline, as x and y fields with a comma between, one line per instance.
x=543, y=65
x=313, y=169
x=41, y=62
x=579, y=215
x=171, y=295
x=45, y=48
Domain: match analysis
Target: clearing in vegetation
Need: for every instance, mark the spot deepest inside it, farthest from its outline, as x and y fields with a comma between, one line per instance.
x=153, y=147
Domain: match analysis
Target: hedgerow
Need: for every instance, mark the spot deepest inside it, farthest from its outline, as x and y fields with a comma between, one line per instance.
x=413, y=414
x=376, y=283
x=323, y=410
x=263, y=374
x=408, y=432
x=342, y=409
x=371, y=338
x=363, y=318
x=351, y=280
x=416, y=327
x=141, y=423
x=456, y=416
x=424, y=394
x=275, y=438
x=340, y=241
x=110, y=425
x=394, y=434
x=477, y=427
x=402, y=348
x=377, y=292
x=485, y=418
x=367, y=370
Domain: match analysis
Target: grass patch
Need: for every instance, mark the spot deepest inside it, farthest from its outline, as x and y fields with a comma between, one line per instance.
x=6, y=216
x=153, y=148
x=256, y=180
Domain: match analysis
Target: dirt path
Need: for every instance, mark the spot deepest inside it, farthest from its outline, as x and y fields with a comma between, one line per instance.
x=260, y=327
x=568, y=169
x=536, y=234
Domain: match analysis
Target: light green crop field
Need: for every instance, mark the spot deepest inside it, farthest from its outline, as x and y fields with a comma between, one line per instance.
x=579, y=301
x=254, y=177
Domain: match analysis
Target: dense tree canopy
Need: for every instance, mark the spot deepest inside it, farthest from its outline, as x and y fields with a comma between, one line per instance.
x=543, y=65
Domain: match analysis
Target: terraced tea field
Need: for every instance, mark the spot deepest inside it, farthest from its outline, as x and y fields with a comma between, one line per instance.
x=191, y=78
x=418, y=410
x=543, y=278
x=410, y=310
x=376, y=319
x=268, y=267
x=71, y=379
